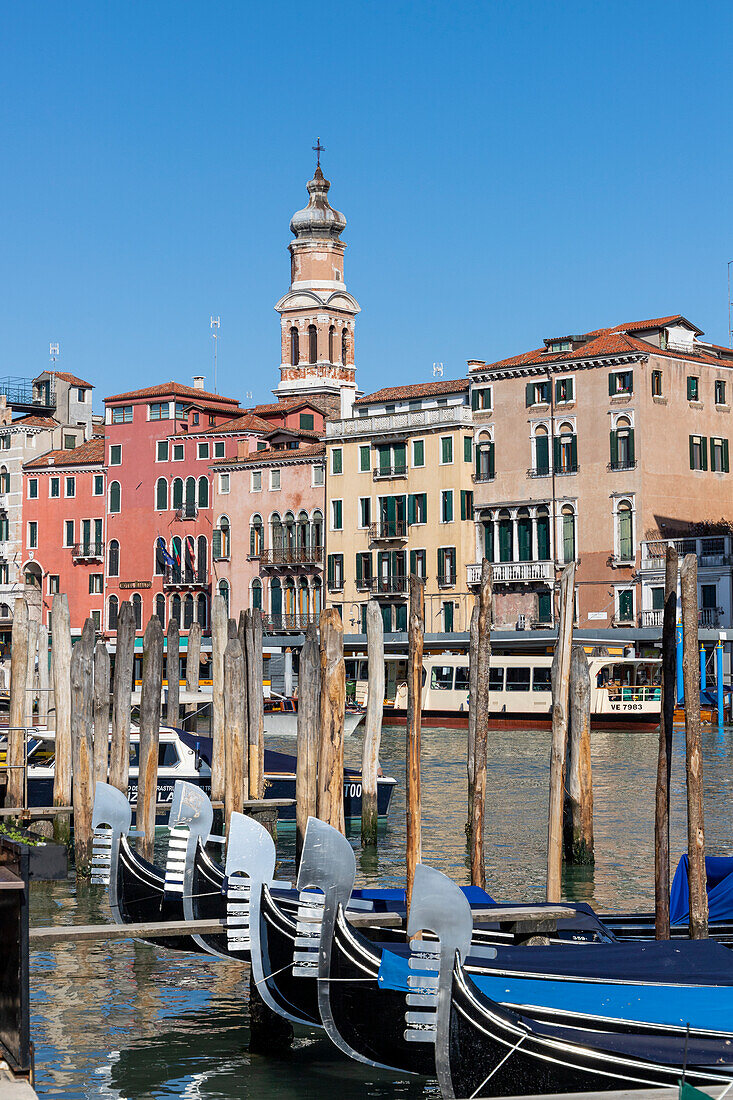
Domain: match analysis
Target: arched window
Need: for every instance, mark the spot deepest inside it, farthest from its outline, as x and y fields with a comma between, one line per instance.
x=160, y=608
x=276, y=601
x=301, y=535
x=622, y=445
x=226, y=537
x=524, y=535
x=257, y=593
x=202, y=559
x=188, y=612
x=317, y=596
x=624, y=520
x=177, y=492
x=276, y=532
x=190, y=496
x=159, y=557
x=177, y=568
x=189, y=561
x=176, y=609
x=488, y=527
x=303, y=598
x=312, y=344
x=161, y=494
x=566, y=459
x=543, y=534
x=331, y=335
x=115, y=496
x=289, y=532
x=343, y=345
x=317, y=530
x=541, y=451
x=568, y=533
x=255, y=536
x=294, y=347
x=113, y=568
x=4, y=480
x=289, y=596
x=203, y=492
x=224, y=591
x=506, y=540
x=201, y=610
x=113, y=605
x=484, y=457
x=137, y=607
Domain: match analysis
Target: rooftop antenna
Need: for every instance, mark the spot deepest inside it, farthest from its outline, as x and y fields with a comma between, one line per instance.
x=53, y=349
x=215, y=325
x=437, y=370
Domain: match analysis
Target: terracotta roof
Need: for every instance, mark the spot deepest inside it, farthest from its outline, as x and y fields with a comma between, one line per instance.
x=98, y=429
x=173, y=389
x=420, y=389
x=655, y=322
x=287, y=406
x=90, y=453
x=33, y=421
x=313, y=450
x=246, y=423
x=72, y=379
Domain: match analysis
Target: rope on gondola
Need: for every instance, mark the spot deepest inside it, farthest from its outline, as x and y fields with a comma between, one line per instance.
x=498, y=1067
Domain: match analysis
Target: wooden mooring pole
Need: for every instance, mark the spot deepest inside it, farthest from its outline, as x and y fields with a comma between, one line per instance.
x=253, y=630
x=219, y=628
x=415, y=635
x=235, y=708
x=119, y=754
x=30, y=683
x=82, y=748
x=306, y=764
x=372, y=724
x=19, y=658
x=471, y=744
x=61, y=655
x=43, y=676
x=695, y=814
x=173, y=674
x=664, y=758
x=579, y=779
x=152, y=686
x=332, y=714
x=101, y=712
x=242, y=636
x=193, y=657
x=560, y=687
x=481, y=658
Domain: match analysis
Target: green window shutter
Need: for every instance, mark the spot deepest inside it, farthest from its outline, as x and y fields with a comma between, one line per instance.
x=447, y=449
x=570, y=388
x=359, y=569
x=216, y=542
x=364, y=458
x=424, y=507
x=338, y=460
x=441, y=562
x=411, y=508
x=692, y=453
x=331, y=569
x=467, y=448
x=614, y=448
x=542, y=454
x=611, y=384
x=556, y=452
x=385, y=457
x=543, y=538
x=448, y=508
x=400, y=455
x=469, y=498
x=474, y=400
x=631, y=381
x=529, y=394
x=413, y=562
x=418, y=452
x=338, y=514
x=574, y=451
x=489, y=541
x=726, y=467
x=632, y=447
x=704, y=452
x=463, y=503
x=492, y=467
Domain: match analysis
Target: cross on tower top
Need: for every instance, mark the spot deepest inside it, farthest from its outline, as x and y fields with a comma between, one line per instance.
x=318, y=149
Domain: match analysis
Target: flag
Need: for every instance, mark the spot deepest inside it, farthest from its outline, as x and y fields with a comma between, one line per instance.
x=163, y=553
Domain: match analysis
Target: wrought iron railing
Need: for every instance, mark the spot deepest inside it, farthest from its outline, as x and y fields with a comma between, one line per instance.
x=187, y=511
x=621, y=464
x=273, y=624
x=388, y=529
x=295, y=555
x=388, y=586
x=181, y=576
x=384, y=472
x=87, y=550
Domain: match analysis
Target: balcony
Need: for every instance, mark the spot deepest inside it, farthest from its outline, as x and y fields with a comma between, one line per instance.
x=88, y=551
x=290, y=556
x=447, y=580
x=713, y=552
x=188, y=511
x=388, y=586
x=185, y=578
x=621, y=464
x=566, y=471
x=479, y=479
x=387, y=473
x=544, y=472
x=281, y=624
x=389, y=530
x=514, y=572
x=653, y=618
x=708, y=617
x=400, y=423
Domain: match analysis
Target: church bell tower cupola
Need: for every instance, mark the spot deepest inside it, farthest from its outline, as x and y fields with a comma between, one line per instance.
x=317, y=314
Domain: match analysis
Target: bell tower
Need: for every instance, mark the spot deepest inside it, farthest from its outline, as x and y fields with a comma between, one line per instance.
x=317, y=314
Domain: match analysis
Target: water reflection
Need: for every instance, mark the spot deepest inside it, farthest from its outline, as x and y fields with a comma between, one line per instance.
x=129, y=1020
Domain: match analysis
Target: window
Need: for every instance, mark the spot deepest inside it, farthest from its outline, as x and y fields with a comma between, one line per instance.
x=720, y=392
x=96, y=617
x=318, y=476
x=365, y=511
x=620, y=382
x=257, y=593
x=623, y=455
x=203, y=450
x=220, y=540
x=69, y=442
x=468, y=448
x=656, y=383
x=541, y=679
x=698, y=452
x=256, y=481
x=256, y=540
x=306, y=422
x=537, y=393
x=484, y=469
x=564, y=390
x=312, y=344
x=337, y=515
x=446, y=565
x=343, y=346
x=95, y=583
x=624, y=522
x=261, y=445
x=195, y=418
x=441, y=678
x=159, y=410
x=294, y=347
x=122, y=414
x=81, y=395
x=335, y=571
x=541, y=452
x=518, y=679
x=417, y=508
x=54, y=584
x=566, y=451
x=137, y=607
x=70, y=487
x=658, y=598
x=337, y=460
x=719, y=456
x=481, y=399
x=364, y=576
x=178, y=452
x=33, y=534
x=54, y=487
x=219, y=449
x=203, y=493
x=98, y=490
x=544, y=606
x=113, y=560
x=161, y=494
x=693, y=389
x=446, y=450
x=466, y=504
x=115, y=455
x=33, y=488
x=568, y=533
x=446, y=506
x=418, y=452
x=161, y=452
x=418, y=563
x=112, y=609
x=177, y=494
x=160, y=608
x=115, y=497
x=365, y=458
x=625, y=605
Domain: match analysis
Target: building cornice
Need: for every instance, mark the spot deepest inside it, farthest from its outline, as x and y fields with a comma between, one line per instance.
x=529, y=370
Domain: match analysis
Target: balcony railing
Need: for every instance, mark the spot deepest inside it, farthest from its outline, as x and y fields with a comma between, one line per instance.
x=709, y=617
x=621, y=464
x=400, y=423
x=652, y=617
x=388, y=529
x=513, y=572
x=712, y=551
x=275, y=624
x=295, y=555
x=185, y=578
x=388, y=586
x=478, y=478
x=382, y=473
x=188, y=511
x=88, y=551
x=565, y=471
x=543, y=472
x=446, y=580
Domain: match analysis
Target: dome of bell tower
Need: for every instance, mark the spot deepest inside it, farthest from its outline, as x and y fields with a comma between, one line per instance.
x=318, y=218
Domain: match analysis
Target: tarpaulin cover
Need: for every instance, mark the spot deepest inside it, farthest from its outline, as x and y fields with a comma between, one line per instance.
x=275, y=762
x=719, y=874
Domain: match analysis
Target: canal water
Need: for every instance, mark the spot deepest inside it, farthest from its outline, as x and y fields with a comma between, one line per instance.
x=126, y=1020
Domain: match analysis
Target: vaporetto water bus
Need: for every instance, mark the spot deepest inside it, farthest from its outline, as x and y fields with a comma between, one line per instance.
x=624, y=690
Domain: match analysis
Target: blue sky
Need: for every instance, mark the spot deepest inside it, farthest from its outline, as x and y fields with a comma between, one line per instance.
x=508, y=171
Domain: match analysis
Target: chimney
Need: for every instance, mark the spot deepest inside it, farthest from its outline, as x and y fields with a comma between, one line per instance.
x=198, y=381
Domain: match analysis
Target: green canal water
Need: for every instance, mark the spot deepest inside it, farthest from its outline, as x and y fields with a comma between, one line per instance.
x=132, y=1021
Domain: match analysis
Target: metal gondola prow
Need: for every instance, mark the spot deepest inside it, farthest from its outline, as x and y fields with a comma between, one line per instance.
x=190, y=820
x=250, y=864
x=111, y=821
